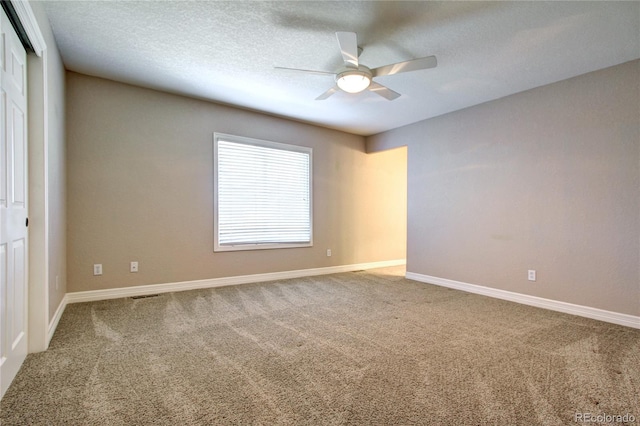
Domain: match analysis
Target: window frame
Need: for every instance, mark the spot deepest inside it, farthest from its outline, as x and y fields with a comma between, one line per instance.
x=266, y=144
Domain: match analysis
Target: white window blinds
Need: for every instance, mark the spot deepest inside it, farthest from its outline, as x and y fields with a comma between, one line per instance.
x=263, y=194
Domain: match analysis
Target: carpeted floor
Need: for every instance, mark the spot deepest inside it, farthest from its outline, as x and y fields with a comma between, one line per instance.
x=368, y=348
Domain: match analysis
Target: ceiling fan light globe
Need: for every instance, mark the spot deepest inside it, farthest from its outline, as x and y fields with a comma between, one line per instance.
x=353, y=82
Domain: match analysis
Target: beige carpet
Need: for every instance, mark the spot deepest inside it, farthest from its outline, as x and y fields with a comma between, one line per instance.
x=366, y=348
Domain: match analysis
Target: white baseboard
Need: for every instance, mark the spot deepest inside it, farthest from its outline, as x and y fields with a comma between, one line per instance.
x=53, y=324
x=554, y=305
x=143, y=290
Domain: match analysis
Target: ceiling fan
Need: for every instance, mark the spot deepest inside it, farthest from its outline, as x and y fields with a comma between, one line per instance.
x=354, y=77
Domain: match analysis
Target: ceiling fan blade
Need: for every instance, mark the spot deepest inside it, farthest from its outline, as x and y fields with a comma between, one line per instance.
x=328, y=93
x=383, y=91
x=349, y=48
x=307, y=71
x=406, y=66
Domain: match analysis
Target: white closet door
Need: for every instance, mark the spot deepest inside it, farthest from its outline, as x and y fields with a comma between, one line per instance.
x=13, y=205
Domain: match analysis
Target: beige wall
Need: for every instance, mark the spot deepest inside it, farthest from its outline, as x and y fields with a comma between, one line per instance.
x=140, y=185
x=548, y=179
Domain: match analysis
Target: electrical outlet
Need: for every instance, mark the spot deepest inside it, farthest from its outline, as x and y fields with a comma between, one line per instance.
x=532, y=275
x=134, y=267
x=328, y=252
x=97, y=269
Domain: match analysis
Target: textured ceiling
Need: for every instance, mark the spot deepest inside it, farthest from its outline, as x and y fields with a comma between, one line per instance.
x=226, y=51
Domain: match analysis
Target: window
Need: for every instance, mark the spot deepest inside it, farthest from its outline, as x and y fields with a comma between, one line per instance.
x=262, y=194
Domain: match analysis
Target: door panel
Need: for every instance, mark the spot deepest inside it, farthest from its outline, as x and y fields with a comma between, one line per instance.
x=3, y=146
x=17, y=71
x=3, y=308
x=17, y=324
x=18, y=157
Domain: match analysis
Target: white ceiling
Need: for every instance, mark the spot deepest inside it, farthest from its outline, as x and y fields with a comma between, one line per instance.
x=226, y=51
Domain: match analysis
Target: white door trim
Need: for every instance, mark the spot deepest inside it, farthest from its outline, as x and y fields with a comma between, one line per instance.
x=39, y=207
x=30, y=25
